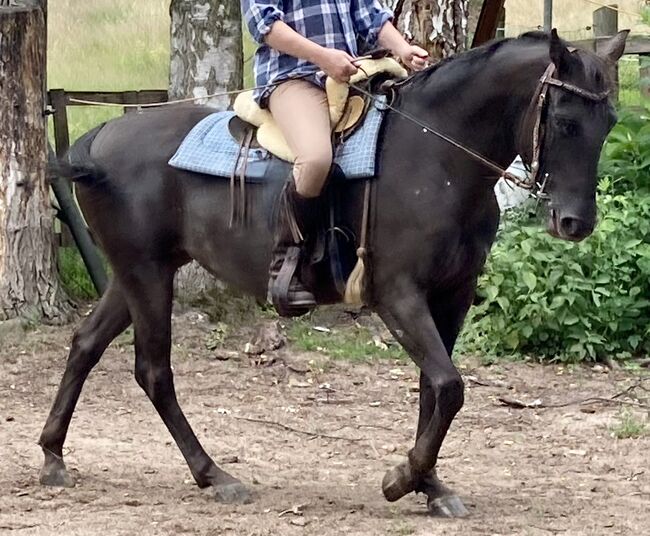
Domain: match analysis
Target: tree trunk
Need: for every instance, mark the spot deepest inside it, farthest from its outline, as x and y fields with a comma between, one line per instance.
x=439, y=26
x=206, y=49
x=29, y=286
x=206, y=58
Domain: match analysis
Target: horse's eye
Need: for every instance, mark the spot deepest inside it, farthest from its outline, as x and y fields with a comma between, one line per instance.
x=567, y=127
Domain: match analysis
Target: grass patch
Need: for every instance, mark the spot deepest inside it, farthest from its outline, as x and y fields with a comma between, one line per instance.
x=352, y=343
x=629, y=426
x=74, y=276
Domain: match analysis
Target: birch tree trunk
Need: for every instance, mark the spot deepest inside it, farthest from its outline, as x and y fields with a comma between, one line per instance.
x=206, y=49
x=29, y=286
x=439, y=26
x=206, y=58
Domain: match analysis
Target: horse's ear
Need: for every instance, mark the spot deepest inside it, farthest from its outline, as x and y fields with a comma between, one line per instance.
x=559, y=53
x=613, y=48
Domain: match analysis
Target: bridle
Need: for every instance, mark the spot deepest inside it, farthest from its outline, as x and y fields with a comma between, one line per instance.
x=538, y=101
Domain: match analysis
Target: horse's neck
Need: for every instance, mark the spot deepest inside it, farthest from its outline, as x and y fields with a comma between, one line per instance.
x=482, y=104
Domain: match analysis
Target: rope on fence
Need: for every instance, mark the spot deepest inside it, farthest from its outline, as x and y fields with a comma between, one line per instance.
x=168, y=103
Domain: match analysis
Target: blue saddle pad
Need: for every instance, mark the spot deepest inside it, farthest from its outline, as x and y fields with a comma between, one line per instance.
x=209, y=148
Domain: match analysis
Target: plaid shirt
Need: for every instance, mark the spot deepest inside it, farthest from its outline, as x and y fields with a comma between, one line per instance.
x=337, y=24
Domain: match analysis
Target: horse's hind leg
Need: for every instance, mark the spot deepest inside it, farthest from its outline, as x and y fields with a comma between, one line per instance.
x=150, y=293
x=106, y=322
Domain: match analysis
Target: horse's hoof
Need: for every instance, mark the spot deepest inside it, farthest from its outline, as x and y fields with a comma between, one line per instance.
x=55, y=474
x=447, y=506
x=397, y=482
x=233, y=493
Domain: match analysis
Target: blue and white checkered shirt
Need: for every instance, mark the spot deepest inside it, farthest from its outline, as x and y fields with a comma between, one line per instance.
x=339, y=24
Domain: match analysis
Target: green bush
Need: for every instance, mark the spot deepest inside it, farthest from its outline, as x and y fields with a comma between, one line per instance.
x=626, y=155
x=564, y=301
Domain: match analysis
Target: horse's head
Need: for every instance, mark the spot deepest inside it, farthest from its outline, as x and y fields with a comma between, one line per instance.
x=575, y=125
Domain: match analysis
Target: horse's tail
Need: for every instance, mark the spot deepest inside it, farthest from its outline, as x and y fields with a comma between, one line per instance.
x=77, y=165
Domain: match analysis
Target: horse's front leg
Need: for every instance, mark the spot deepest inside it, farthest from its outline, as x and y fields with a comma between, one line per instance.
x=407, y=314
x=448, y=311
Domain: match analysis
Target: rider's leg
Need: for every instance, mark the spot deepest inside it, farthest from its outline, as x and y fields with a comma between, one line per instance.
x=300, y=110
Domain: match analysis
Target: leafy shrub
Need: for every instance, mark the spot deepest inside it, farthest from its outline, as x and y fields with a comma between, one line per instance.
x=566, y=301
x=626, y=155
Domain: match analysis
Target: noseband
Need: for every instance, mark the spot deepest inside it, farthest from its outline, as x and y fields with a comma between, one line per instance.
x=539, y=130
x=538, y=101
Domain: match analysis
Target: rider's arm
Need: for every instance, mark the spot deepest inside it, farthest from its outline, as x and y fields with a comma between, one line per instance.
x=374, y=25
x=369, y=18
x=265, y=21
x=411, y=55
x=260, y=15
x=285, y=39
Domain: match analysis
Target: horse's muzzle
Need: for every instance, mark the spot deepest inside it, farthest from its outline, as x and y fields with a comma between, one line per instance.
x=569, y=227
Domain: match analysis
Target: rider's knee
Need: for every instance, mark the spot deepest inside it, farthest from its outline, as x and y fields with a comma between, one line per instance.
x=312, y=171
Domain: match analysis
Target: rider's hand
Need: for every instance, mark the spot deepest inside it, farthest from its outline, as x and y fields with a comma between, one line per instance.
x=414, y=57
x=336, y=64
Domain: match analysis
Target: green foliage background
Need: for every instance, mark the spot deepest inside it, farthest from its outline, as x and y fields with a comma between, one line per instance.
x=563, y=301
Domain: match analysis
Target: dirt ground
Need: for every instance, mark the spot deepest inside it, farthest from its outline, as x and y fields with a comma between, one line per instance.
x=532, y=471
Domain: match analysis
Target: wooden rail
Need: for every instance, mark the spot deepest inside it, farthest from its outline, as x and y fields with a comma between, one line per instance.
x=59, y=100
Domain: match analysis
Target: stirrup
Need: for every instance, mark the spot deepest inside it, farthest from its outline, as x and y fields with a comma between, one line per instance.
x=289, y=297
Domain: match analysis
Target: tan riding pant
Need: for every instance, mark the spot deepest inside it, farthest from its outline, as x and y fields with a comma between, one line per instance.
x=300, y=110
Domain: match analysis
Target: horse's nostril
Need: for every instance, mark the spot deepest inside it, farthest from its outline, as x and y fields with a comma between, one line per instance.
x=574, y=227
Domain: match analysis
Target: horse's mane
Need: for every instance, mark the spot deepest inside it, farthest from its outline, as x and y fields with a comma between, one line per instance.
x=593, y=65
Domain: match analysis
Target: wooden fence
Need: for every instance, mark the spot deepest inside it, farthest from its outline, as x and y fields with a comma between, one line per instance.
x=59, y=100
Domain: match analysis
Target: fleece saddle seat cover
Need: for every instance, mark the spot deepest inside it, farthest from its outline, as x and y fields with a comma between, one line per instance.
x=269, y=135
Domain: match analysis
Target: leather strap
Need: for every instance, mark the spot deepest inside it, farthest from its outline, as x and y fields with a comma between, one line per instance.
x=233, y=178
x=282, y=285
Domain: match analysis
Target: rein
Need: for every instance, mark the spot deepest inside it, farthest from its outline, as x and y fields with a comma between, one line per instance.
x=540, y=97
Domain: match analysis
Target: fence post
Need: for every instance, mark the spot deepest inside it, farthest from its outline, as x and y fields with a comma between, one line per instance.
x=606, y=25
x=548, y=15
x=131, y=97
x=59, y=102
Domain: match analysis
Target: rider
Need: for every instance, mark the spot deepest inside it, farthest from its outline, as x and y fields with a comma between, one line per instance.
x=306, y=38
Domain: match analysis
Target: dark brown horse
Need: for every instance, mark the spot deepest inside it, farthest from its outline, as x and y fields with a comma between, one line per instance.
x=435, y=218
